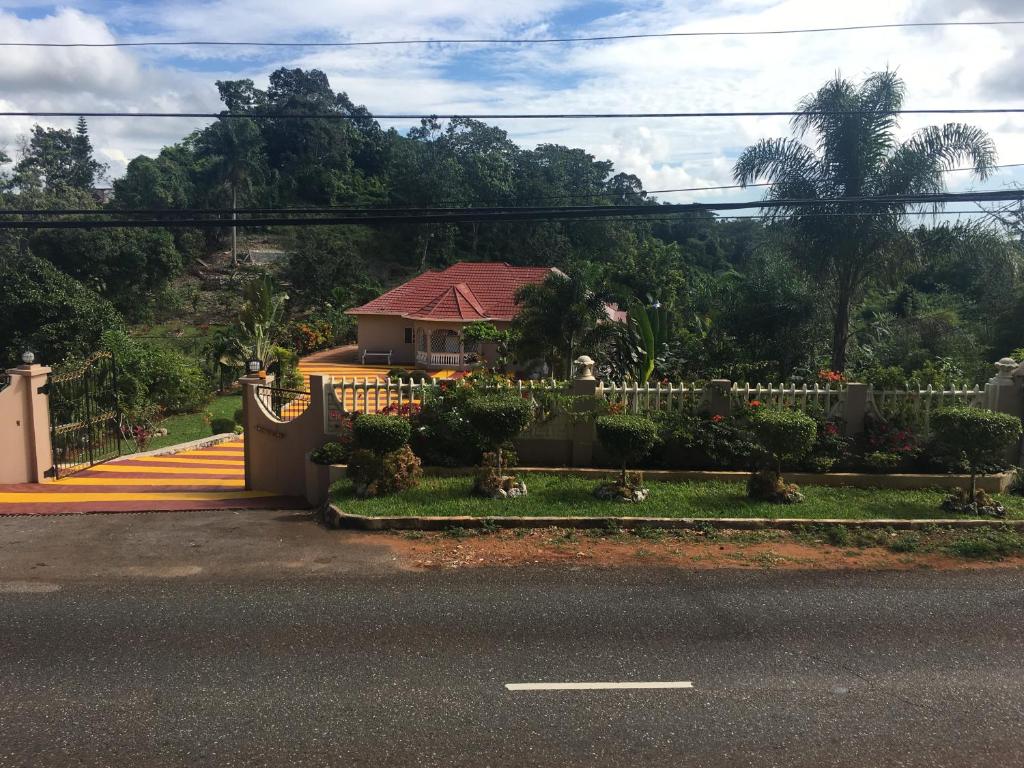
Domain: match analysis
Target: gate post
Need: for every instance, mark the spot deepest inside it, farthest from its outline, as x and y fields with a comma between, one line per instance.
x=584, y=388
x=249, y=395
x=36, y=417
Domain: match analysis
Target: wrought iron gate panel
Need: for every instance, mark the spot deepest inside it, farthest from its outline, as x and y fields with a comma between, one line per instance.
x=85, y=424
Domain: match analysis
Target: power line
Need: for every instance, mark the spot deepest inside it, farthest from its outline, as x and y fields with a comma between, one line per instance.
x=435, y=207
x=513, y=41
x=521, y=115
x=375, y=216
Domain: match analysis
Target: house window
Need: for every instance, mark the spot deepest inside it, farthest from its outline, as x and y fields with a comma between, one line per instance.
x=408, y=335
x=423, y=340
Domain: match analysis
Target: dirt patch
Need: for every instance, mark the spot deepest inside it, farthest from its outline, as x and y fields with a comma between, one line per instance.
x=691, y=550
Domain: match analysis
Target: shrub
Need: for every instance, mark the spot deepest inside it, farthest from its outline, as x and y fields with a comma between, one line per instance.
x=380, y=434
x=151, y=373
x=220, y=426
x=689, y=441
x=240, y=416
x=443, y=434
x=784, y=435
x=377, y=474
x=498, y=418
x=627, y=439
x=415, y=375
x=331, y=452
x=979, y=434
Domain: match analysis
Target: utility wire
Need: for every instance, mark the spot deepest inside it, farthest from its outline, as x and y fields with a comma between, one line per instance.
x=520, y=115
x=515, y=41
x=371, y=216
x=435, y=205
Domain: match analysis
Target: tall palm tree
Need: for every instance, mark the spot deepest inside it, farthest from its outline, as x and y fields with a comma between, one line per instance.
x=234, y=148
x=559, y=317
x=855, y=153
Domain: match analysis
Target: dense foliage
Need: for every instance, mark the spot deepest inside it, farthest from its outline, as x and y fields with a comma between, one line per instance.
x=499, y=418
x=783, y=434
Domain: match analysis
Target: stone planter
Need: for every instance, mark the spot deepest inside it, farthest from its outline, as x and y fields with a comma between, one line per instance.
x=318, y=481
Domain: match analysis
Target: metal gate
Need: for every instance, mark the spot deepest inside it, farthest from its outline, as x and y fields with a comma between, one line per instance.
x=85, y=424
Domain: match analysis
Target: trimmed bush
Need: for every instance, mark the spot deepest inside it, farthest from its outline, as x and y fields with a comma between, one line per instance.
x=240, y=416
x=376, y=474
x=331, y=452
x=220, y=426
x=499, y=418
x=380, y=434
x=627, y=439
x=982, y=436
x=784, y=435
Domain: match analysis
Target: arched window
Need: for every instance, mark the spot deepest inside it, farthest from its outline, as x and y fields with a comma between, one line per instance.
x=422, y=345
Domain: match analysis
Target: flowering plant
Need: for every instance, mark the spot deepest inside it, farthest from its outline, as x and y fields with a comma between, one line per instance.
x=826, y=376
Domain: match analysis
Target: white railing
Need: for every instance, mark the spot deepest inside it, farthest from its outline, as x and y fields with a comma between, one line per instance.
x=446, y=359
x=373, y=394
x=663, y=396
x=422, y=358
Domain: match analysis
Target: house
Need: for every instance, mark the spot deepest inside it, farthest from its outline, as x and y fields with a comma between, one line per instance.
x=420, y=322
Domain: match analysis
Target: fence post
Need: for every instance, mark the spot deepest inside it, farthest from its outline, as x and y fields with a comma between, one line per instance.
x=1004, y=393
x=855, y=408
x=720, y=397
x=584, y=389
x=35, y=413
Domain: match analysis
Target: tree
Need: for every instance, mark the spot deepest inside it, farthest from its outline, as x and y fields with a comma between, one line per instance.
x=558, y=317
x=126, y=266
x=48, y=312
x=235, y=159
x=56, y=158
x=856, y=154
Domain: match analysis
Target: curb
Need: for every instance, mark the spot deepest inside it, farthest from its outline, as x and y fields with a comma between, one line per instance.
x=334, y=517
x=203, y=442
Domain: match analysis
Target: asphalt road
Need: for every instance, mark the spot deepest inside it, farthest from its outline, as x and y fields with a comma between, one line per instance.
x=367, y=664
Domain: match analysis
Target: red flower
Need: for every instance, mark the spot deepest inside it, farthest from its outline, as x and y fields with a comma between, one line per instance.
x=718, y=418
x=831, y=429
x=755, y=403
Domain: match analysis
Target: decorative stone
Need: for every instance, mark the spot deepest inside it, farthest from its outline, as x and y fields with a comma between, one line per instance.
x=621, y=493
x=510, y=487
x=982, y=505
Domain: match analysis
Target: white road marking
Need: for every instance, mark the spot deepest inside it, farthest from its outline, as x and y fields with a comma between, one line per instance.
x=594, y=686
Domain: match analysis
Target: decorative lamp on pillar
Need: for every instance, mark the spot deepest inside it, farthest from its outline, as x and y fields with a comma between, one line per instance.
x=28, y=357
x=584, y=367
x=254, y=366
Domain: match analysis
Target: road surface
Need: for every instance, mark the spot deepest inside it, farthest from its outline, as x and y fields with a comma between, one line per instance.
x=163, y=641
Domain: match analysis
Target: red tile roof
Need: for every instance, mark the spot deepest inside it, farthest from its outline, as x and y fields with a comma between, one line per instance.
x=465, y=291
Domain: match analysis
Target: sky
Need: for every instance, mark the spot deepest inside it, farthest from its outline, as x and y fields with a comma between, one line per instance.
x=942, y=67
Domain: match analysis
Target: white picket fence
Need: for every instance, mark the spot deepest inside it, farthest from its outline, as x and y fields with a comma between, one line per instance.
x=373, y=395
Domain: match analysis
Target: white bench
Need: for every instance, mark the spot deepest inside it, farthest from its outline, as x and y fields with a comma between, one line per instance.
x=370, y=353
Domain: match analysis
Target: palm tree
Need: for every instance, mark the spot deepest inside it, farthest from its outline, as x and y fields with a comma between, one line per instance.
x=234, y=148
x=856, y=154
x=558, y=317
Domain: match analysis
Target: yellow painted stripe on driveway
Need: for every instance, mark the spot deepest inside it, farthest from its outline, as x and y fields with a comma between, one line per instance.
x=115, y=482
x=39, y=497
x=164, y=470
x=219, y=462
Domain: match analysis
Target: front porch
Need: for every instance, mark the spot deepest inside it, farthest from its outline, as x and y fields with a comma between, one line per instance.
x=443, y=348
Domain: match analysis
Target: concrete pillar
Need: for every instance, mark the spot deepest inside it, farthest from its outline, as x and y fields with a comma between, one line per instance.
x=28, y=423
x=249, y=420
x=855, y=408
x=1003, y=392
x=584, y=390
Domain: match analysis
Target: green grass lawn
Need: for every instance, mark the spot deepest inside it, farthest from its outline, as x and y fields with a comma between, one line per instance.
x=572, y=496
x=194, y=426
